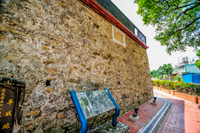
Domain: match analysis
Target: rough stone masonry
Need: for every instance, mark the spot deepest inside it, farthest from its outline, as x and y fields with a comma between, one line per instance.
x=56, y=46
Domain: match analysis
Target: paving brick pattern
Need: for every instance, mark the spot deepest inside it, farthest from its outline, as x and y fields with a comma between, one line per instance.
x=146, y=111
x=183, y=116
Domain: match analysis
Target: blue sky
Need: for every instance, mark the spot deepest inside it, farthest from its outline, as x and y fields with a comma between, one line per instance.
x=157, y=54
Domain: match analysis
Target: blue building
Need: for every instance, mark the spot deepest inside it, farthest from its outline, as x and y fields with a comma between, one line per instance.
x=189, y=72
x=191, y=78
x=191, y=68
x=186, y=69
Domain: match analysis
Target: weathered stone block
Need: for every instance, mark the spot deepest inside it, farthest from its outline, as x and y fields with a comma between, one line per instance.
x=60, y=116
x=70, y=46
x=45, y=48
x=107, y=127
x=34, y=113
x=49, y=61
x=49, y=89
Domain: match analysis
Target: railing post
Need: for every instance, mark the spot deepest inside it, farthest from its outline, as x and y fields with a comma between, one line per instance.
x=117, y=110
x=84, y=125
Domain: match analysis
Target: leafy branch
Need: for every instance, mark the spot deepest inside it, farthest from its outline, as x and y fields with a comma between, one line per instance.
x=184, y=12
x=177, y=22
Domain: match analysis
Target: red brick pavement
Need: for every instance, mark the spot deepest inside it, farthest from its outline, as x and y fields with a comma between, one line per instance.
x=145, y=111
x=183, y=116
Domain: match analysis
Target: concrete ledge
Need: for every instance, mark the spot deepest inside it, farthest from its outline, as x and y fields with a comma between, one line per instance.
x=108, y=128
x=134, y=118
x=154, y=103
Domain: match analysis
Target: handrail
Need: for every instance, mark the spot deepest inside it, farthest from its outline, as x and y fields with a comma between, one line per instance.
x=117, y=110
x=84, y=124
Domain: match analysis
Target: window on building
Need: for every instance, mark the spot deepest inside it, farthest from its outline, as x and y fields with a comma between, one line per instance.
x=135, y=31
x=118, y=36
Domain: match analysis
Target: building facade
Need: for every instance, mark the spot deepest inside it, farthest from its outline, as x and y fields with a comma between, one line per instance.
x=59, y=46
x=186, y=69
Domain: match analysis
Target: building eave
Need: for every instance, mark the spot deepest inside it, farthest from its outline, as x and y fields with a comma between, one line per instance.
x=103, y=12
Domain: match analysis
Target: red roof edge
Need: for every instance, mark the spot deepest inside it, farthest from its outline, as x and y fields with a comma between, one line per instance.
x=99, y=9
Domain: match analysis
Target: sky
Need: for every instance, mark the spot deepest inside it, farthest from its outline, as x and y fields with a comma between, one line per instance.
x=157, y=54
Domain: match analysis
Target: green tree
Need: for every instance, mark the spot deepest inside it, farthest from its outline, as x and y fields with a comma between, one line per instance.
x=168, y=70
x=177, y=22
x=162, y=70
x=198, y=61
x=155, y=74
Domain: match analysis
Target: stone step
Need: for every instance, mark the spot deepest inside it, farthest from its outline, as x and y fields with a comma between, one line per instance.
x=108, y=128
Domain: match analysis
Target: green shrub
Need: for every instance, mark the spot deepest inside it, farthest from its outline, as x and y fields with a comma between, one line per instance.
x=169, y=84
x=197, y=63
x=163, y=82
x=180, y=85
x=177, y=78
x=156, y=83
x=188, y=88
x=184, y=90
x=194, y=87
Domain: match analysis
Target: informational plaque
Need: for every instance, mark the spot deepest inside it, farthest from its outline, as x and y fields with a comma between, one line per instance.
x=7, y=102
x=95, y=102
x=11, y=100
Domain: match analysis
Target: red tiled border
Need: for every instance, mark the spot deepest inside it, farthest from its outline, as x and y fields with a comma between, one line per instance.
x=186, y=97
x=99, y=9
x=145, y=111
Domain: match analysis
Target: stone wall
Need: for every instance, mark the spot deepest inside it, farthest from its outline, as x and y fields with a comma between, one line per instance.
x=59, y=46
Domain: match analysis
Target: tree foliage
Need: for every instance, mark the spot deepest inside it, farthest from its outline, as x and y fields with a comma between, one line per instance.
x=198, y=61
x=177, y=22
x=168, y=69
x=162, y=70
